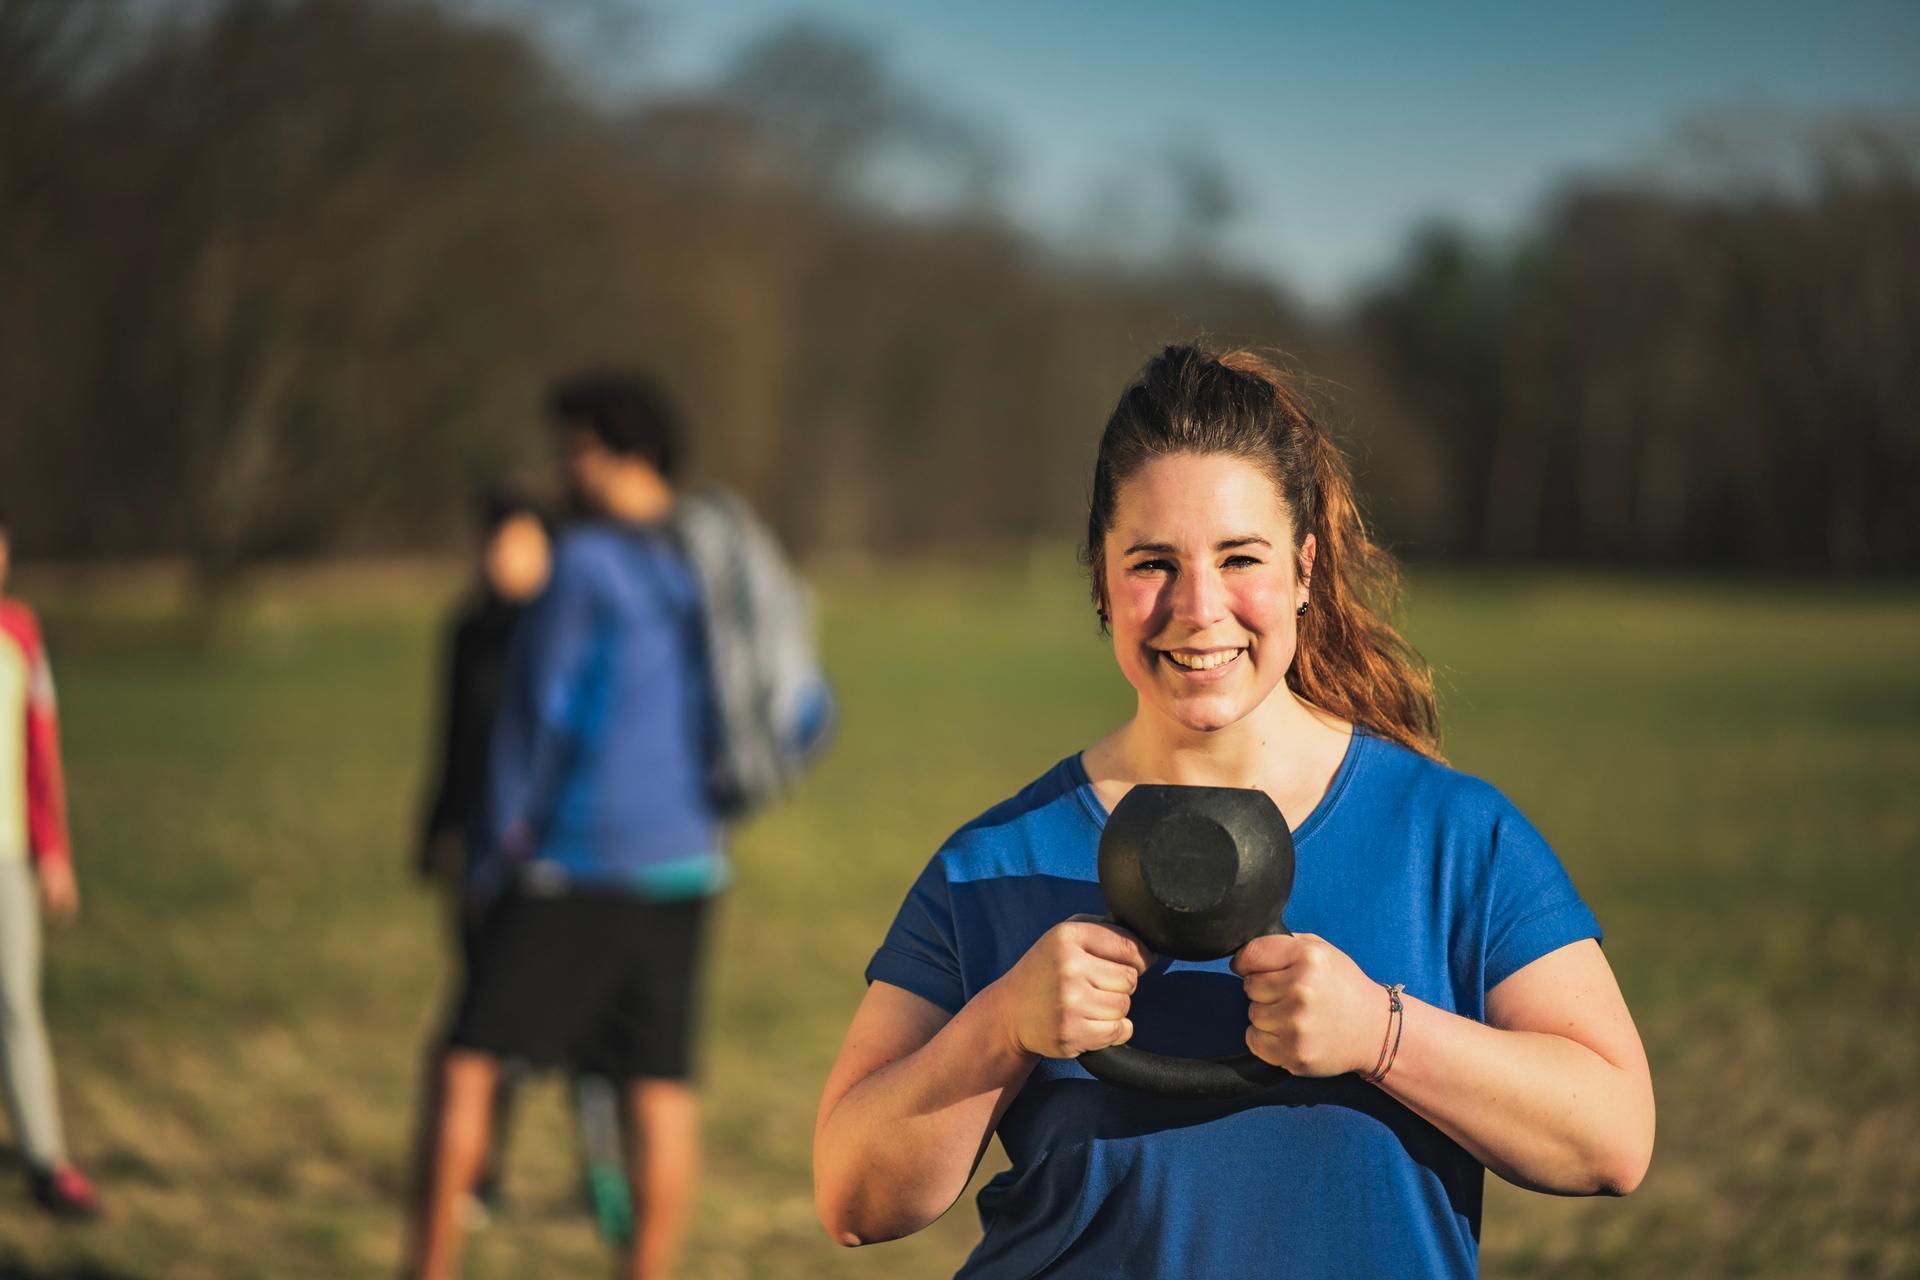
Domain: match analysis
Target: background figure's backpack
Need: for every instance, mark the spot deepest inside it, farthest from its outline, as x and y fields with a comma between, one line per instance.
x=773, y=707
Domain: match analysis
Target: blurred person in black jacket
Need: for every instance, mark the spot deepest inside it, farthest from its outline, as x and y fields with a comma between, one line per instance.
x=515, y=556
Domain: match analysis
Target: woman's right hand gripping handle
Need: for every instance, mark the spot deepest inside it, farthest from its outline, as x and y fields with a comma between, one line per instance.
x=1073, y=990
x=915, y=1094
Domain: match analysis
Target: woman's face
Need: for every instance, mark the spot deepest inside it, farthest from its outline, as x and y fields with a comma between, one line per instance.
x=1201, y=587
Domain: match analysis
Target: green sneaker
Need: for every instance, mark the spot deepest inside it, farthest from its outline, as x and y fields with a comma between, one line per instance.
x=611, y=1202
x=596, y=1104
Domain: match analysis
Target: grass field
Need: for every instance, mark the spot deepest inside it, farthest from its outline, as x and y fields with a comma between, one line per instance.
x=1731, y=773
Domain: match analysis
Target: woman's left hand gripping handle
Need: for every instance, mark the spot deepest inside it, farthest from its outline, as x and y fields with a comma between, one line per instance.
x=1310, y=1008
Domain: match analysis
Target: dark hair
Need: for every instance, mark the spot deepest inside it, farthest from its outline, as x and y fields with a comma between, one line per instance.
x=502, y=503
x=1350, y=660
x=630, y=413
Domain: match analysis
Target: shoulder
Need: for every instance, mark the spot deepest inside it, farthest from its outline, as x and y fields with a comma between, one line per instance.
x=602, y=545
x=18, y=620
x=589, y=556
x=1046, y=828
x=1432, y=793
x=640, y=572
x=1466, y=832
x=585, y=546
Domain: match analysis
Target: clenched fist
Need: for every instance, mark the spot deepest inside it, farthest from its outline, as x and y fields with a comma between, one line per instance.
x=1310, y=1008
x=1071, y=992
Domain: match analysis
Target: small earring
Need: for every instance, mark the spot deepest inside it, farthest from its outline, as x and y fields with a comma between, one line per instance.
x=1301, y=612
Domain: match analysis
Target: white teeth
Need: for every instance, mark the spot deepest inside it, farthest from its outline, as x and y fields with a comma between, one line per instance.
x=1204, y=661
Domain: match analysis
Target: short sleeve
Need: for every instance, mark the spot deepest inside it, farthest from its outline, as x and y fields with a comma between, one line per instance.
x=1534, y=908
x=920, y=953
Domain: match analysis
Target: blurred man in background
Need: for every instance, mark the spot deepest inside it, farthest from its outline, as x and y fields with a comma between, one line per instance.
x=600, y=847
x=36, y=873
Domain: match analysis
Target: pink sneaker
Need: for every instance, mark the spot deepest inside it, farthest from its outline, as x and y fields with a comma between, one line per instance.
x=65, y=1192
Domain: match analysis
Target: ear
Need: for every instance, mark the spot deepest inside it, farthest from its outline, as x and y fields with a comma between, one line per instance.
x=1307, y=548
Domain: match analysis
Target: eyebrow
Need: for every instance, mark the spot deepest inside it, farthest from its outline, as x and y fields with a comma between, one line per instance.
x=1225, y=544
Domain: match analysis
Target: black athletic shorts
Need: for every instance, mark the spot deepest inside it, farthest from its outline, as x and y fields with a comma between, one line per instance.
x=601, y=982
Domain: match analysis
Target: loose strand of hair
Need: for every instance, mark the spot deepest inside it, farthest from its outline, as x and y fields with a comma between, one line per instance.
x=1351, y=660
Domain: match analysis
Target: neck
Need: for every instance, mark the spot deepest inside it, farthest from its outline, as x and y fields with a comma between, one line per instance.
x=1266, y=749
x=637, y=493
x=1286, y=748
x=508, y=599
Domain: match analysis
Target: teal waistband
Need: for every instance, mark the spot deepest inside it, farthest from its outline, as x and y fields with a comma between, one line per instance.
x=699, y=876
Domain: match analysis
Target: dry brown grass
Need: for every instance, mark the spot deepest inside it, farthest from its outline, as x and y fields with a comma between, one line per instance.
x=1728, y=773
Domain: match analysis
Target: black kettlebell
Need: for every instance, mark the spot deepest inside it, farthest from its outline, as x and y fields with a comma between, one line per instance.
x=1196, y=873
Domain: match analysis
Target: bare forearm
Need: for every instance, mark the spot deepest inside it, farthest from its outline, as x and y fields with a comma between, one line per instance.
x=897, y=1148
x=1540, y=1110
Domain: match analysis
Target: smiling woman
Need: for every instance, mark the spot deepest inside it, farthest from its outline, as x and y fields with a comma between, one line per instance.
x=1195, y=430
x=1444, y=1008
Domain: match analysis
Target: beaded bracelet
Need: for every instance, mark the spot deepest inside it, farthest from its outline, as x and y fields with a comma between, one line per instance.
x=1389, y=1043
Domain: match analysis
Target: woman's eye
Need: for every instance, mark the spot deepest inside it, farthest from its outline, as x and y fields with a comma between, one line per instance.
x=1153, y=566
x=1240, y=562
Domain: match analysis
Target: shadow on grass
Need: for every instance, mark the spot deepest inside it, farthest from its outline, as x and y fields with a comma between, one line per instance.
x=109, y=1167
x=15, y=1267
x=18, y=1266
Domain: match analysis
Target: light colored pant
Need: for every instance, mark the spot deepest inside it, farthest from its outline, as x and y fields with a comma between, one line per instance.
x=26, y=1060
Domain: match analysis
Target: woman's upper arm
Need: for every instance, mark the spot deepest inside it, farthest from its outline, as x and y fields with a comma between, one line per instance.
x=1571, y=992
x=890, y=1023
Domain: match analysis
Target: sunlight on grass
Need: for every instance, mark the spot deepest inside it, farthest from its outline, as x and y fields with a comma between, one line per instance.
x=1728, y=772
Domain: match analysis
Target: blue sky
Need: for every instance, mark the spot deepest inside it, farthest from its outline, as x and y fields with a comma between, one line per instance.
x=1342, y=125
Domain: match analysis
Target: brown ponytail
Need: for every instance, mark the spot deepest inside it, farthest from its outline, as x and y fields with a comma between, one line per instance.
x=1350, y=661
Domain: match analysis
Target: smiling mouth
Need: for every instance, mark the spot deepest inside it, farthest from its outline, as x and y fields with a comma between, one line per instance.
x=1209, y=661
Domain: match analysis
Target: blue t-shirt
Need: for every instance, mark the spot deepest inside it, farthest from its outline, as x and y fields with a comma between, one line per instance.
x=1421, y=874
x=601, y=740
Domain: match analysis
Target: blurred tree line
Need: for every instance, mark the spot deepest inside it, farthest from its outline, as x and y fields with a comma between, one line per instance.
x=286, y=277
x=1722, y=369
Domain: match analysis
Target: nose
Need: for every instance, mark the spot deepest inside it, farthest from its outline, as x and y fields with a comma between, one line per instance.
x=1199, y=597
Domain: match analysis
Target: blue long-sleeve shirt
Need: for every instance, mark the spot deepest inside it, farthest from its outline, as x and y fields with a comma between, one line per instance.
x=600, y=746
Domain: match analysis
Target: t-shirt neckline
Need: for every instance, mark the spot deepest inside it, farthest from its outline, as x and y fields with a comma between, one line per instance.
x=1322, y=809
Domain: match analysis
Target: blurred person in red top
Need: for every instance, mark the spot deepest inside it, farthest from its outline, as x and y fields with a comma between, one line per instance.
x=36, y=874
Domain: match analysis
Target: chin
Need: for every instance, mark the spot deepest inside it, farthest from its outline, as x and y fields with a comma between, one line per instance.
x=1208, y=718
x=1217, y=711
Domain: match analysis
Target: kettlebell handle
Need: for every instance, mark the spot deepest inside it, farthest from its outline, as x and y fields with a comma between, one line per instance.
x=1234, y=1076
x=1144, y=1071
